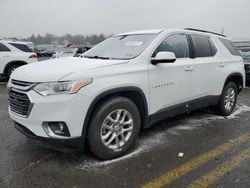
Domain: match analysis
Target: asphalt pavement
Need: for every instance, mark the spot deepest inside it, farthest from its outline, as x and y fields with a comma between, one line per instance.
x=200, y=149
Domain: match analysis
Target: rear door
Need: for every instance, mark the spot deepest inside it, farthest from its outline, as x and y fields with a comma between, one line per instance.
x=4, y=56
x=209, y=66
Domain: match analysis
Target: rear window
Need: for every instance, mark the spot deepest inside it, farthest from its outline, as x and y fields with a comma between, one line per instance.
x=202, y=46
x=22, y=47
x=4, y=48
x=230, y=46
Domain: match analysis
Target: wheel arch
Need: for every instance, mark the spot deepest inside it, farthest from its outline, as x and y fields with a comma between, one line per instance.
x=237, y=78
x=8, y=65
x=133, y=93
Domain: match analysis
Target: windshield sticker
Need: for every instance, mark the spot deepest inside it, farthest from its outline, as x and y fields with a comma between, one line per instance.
x=133, y=43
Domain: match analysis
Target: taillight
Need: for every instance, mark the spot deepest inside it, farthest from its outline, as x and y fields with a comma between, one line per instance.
x=33, y=56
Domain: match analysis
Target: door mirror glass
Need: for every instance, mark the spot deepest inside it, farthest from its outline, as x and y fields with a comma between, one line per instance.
x=163, y=57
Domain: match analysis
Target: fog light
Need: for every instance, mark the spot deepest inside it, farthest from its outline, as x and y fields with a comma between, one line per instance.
x=56, y=129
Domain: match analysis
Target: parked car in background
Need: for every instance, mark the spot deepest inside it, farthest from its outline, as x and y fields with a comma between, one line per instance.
x=73, y=51
x=245, y=53
x=38, y=51
x=48, y=53
x=44, y=52
x=14, y=54
x=126, y=83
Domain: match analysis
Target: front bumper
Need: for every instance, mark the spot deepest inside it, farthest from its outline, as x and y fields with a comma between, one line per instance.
x=69, y=145
x=70, y=109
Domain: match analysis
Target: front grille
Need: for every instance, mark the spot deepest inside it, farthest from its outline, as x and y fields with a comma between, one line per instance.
x=19, y=103
x=21, y=83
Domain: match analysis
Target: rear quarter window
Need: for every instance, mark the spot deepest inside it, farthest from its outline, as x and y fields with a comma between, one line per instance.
x=230, y=46
x=21, y=47
x=4, y=48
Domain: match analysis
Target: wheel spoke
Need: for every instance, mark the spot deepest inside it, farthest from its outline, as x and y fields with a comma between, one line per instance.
x=118, y=115
x=105, y=126
x=123, y=116
x=111, y=119
x=127, y=129
x=104, y=137
x=123, y=138
x=130, y=121
x=111, y=139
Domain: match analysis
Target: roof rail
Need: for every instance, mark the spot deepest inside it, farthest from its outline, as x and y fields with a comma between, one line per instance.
x=204, y=31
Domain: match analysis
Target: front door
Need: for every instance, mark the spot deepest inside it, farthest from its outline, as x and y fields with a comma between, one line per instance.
x=171, y=83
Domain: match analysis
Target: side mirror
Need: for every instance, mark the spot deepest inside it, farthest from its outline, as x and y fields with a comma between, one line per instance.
x=163, y=57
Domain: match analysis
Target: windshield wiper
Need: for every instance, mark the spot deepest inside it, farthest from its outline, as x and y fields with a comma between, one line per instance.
x=96, y=57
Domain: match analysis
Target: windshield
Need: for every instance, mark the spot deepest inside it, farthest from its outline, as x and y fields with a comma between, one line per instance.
x=121, y=47
x=245, y=53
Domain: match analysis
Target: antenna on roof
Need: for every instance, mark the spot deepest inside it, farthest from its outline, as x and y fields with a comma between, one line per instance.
x=222, y=31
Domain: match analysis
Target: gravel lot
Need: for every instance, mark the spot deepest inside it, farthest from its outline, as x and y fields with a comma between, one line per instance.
x=215, y=153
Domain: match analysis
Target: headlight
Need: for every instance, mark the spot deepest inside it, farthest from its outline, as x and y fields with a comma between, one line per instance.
x=55, y=88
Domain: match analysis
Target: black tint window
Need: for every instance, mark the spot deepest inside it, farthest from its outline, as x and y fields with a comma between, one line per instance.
x=177, y=44
x=3, y=48
x=202, y=46
x=21, y=47
x=230, y=46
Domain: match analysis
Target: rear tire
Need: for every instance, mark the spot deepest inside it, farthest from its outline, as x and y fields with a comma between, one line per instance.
x=11, y=69
x=228, y=99
x=114, y=128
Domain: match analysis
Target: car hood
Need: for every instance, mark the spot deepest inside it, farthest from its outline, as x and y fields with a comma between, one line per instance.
x=55, y=69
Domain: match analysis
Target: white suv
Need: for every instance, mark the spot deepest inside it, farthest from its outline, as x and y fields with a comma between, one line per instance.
x=13, y=55
x=126, y=83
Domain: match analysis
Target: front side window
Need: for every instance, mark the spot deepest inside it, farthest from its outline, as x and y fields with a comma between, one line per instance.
x=121, y=47
x=202, y=46
x=4, y=48
x=177, y=44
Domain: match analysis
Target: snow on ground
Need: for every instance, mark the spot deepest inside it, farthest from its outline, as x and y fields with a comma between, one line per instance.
x=147, y=142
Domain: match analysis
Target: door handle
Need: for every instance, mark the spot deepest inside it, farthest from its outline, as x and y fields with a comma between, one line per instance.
x=222, y=65
x=189, y=68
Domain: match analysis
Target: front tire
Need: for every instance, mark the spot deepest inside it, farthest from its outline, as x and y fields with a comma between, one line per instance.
x=228, y=99
x=114, y=128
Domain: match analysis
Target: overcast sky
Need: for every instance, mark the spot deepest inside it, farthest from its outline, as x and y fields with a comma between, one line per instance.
x=21, y=18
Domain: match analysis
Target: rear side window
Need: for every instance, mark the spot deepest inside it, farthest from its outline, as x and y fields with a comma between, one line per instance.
x=4, y=48
x=21, y=47
x=202, y=46
x=230, y=46
x=178, y=44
